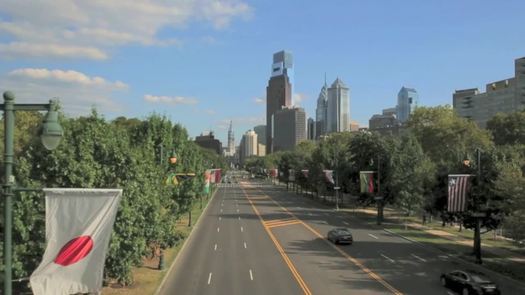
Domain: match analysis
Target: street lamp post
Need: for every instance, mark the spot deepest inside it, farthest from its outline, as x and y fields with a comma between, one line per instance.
x=478, y=216
x=50, y=134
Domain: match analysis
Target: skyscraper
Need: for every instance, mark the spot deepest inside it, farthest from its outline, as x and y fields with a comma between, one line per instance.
x=338, y=111
x=407, y=100
x=291, y=130
x=310, y=129
x=278, y=92
x=230, y=151
x=321, y=112
x=261, y=133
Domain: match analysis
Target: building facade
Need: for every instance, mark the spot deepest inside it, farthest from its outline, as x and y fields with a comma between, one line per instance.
x=321, y=112
x=407, y=101
x=338, y=107
x=278, y=92
x=310, y=128
x=250, y=143
x=290, y=128
x=261, y=133
x=208, y=141
x=503, y=96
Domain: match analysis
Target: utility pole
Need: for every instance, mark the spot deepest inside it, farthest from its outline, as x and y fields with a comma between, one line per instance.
x=478, y=216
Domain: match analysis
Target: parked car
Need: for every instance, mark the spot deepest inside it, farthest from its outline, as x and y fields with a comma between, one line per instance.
x=469, y=282
x=340, y=235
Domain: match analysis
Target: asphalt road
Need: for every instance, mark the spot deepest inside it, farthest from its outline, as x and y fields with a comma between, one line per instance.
x=255, y=238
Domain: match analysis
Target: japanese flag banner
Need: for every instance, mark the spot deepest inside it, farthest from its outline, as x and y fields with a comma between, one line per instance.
x=79, y=223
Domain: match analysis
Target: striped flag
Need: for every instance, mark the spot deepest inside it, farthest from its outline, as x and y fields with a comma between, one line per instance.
x=367, y=181
x=458, y=187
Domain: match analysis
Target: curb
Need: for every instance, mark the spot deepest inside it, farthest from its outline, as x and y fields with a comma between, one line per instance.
x=403, y=237
x=166, y=275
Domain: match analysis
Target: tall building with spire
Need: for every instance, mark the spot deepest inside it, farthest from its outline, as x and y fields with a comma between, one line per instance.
x=278, y=92
x=230, y=151
x=338, y=110
x=321, y=112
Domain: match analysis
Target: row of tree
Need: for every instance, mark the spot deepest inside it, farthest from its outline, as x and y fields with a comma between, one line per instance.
x=131, y=154
x=414, y=166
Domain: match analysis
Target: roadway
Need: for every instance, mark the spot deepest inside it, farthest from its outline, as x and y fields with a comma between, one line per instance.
x=255, y=238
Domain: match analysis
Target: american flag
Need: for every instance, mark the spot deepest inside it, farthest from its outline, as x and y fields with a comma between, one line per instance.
x=458, y=187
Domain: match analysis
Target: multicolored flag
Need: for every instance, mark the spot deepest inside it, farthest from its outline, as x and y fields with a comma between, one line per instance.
x=458, y=188
x=79, y=223
x=367, y=181
x=274, y=172
x=329, y=176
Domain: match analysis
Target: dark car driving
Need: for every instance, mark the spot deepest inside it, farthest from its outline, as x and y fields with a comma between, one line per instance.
x=469, y=282
x=340, y=235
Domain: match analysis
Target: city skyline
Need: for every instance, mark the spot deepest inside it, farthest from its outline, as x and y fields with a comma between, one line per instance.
x=207, y=65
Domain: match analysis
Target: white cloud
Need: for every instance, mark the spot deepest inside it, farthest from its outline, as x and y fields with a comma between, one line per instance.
x=77, y=91
x=259, y=100
x=210, y=112
x=72, y=77
x=297, y=98
x=17, y=49
x=93, y=27
x=173, y=100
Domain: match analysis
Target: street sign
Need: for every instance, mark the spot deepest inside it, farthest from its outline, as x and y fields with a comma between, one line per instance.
x=378, y=198
x=337, y=187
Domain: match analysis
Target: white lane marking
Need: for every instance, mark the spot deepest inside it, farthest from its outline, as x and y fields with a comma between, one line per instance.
x=242, y=229
x=244, y=245
x=346, y=223
x=237, y=210
x=219, y=218
x=222, y=204
x=215, y=248
x=443, y=256
x=239, y=218
x=388, y=258
x=450, y=293
x=417, y=257
x=373, y=236
x=218, y=229
x=221, y=210
x=209, y=279
x=251, y=275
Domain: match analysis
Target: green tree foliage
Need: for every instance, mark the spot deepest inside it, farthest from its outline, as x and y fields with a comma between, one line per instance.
x=444, y=136
x=95, y=153
x=411, y=174
x=508, y=128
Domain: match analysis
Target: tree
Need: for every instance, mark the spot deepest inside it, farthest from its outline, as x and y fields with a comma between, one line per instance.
x=508, y=128
x=411, y=175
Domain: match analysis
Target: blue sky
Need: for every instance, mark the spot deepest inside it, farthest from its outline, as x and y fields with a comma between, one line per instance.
x=205, y=62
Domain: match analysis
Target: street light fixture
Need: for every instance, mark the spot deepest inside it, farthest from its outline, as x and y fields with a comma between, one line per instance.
x=51, y=134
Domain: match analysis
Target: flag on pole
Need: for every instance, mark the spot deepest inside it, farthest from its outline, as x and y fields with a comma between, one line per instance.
x=291, y=175
x=329, y=176
x=213, y=177
x=207, y=176
x=218, y=175
x=458, y=187
x=79, y=223
x=305, y=173
x=367, y=181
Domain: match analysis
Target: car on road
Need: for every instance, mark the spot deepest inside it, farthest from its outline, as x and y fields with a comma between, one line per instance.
x=468, y=282
x=340, y=235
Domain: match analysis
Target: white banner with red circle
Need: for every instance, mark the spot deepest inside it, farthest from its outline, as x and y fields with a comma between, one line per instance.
x=79, y=223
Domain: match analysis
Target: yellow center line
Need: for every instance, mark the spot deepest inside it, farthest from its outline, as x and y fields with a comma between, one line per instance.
x=365, y=269
x=280, y=249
